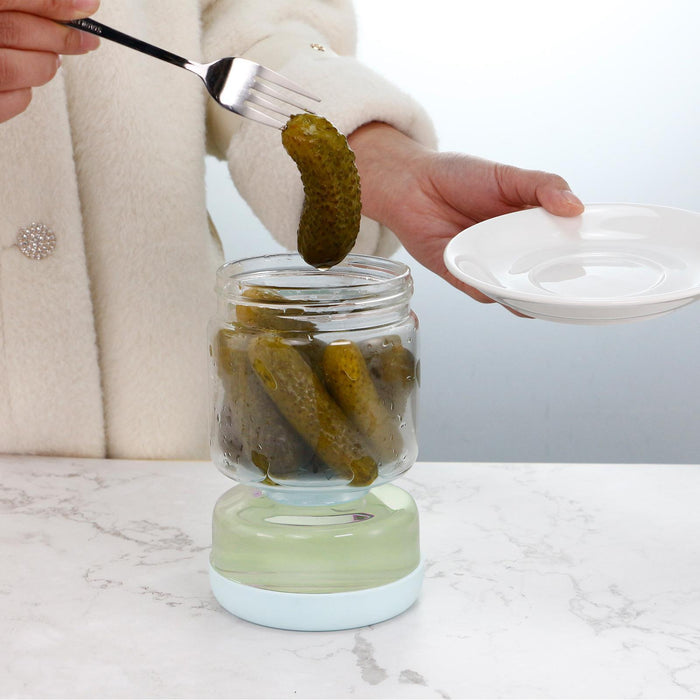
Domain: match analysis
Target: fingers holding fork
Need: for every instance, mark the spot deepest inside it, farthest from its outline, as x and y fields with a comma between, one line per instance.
x=31, y=43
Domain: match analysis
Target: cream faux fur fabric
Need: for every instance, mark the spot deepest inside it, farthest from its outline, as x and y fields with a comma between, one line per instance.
x=103, y=344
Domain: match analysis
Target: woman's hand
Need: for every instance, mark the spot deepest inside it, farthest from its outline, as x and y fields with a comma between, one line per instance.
x=31, y=43
x=426, y=198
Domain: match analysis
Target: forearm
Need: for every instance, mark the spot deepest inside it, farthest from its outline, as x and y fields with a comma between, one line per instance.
x=386, y=160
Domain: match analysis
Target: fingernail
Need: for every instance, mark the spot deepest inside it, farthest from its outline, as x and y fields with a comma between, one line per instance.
x=570, y=197
x=86, y=7
x=89, y=42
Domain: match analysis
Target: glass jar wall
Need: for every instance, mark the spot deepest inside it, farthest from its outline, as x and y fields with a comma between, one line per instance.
x=314, y=376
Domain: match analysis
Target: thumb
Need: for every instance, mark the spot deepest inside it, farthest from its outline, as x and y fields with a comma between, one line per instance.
x=538, y=188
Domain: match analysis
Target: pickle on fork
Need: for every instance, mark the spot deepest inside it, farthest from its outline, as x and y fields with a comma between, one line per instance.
x=330, y=218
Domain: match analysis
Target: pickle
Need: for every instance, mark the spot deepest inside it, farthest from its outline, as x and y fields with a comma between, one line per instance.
x=393, y=369
x=252, y=430
x=301, y=397
x=349, y=382
x=279, y=318
x=330, y=218
x=270, y=317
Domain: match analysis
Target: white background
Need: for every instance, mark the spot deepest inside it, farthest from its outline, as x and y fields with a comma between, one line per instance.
x=605, y=94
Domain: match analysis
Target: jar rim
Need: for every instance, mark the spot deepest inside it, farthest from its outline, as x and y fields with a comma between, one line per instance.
x=357, y=278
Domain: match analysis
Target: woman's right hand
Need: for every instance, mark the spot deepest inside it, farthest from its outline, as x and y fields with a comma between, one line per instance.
x=31, y=43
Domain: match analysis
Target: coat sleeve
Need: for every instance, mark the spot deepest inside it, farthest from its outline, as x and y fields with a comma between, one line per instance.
x=311, y=42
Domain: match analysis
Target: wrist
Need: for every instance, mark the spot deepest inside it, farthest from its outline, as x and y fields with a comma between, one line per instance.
x=385, y=160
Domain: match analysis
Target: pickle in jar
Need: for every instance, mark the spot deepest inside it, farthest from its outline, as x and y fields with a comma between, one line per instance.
x=252, y=430
x=302, y=398
x=267, y=310
x=348, y=379
x=393, y=369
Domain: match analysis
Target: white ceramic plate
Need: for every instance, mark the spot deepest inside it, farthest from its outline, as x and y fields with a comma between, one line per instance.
x=614, y=263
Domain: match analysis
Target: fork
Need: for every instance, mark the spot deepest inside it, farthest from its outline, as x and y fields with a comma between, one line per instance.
x=239, y=85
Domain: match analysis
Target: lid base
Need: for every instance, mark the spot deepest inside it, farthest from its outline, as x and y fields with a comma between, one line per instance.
x=317, y=612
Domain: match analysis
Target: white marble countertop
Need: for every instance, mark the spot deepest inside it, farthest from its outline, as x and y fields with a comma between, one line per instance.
x=564, y=581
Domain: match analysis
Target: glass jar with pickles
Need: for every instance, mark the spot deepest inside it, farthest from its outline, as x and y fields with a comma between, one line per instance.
x=314, y=377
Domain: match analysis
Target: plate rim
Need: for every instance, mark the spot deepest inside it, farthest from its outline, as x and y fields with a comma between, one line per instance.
x=591, y=302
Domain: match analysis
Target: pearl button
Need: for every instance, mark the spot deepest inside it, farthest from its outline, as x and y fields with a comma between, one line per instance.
x=36, y=241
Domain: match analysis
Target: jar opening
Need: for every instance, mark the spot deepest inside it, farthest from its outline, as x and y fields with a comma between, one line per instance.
x=285, y=280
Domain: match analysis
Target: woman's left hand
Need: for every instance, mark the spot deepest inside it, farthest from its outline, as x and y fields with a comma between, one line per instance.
x=426, y=198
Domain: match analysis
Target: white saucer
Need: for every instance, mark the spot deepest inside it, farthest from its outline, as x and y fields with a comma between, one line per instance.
x=614, y=263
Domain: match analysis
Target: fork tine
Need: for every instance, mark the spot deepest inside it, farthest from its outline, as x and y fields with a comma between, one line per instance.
x=282, y=81
x=271, y=91
x=258, y=116
x=269, y=104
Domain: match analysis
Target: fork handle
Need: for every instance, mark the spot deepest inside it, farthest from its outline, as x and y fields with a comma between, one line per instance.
x=102, y=30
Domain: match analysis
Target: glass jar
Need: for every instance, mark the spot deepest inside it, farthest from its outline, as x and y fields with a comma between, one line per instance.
x=314, y=376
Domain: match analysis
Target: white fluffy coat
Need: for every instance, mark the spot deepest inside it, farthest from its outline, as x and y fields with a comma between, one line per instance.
x=103, y=344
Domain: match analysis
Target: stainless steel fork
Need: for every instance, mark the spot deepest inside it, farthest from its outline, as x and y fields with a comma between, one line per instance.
x=240, y=85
